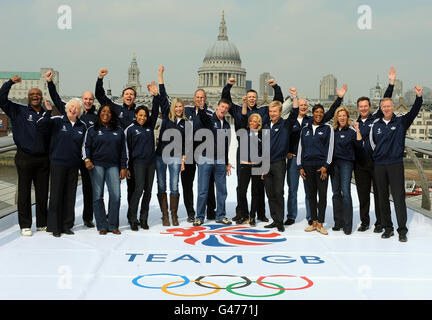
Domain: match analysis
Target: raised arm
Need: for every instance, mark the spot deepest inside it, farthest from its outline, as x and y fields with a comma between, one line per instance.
x=153, y=90
x=330, y=112
x=7, y=105
x=44, y=123
x=408, y=118
x=164, y=101
x=100, y=91
x=292, y=118
x=278, y=96
x=58, y=102
x=226, y=94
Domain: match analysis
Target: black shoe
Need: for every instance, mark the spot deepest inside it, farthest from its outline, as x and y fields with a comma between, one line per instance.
x=89, y=224
x=336, y=228
x=134, y=226
x=237, y=217
x=310, y=222
x=252, y=222
x=347, y=232
x=191, y=218
x=263, y=219
x=281, y=228
x=403, y=238
x=289, y=222
x=56, y=234
x=378, y=229
x=363, y=228
x=387, y=234
x=271, y=225
x=144, y=225
x=242, y=221
x=68, y=231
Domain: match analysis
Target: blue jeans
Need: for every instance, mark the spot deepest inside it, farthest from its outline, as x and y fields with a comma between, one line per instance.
x=293, y=176
x=174, y=173
x=340, y=174
x=204, y=171
x=100, y=175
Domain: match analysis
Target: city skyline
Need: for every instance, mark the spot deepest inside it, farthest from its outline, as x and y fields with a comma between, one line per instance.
x=297, y=42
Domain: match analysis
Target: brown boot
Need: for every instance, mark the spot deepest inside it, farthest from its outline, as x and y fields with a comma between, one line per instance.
x=174, y=202
x=163, y=204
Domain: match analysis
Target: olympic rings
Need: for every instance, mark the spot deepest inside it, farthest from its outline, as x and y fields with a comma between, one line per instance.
x=247, y=281
x=216, y=288
x=135, y=281
x=164, y=289
x=309, y=282
x=281, y=290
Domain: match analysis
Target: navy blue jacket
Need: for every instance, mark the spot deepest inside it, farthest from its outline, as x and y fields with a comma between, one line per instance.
x=236, y=110
x=165, y=106
x=214, y=124
x=388, y=141
x=279, y=136
x=105, y=147
x=296, y=127
x=346, y=144
x=66, y=140
x=316, y=149
x=365, y=126
x=140, y=145
x=126, y=115
x=23, y=118
x=88, y=117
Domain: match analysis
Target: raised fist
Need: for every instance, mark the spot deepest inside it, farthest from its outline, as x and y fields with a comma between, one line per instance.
x=48, y=76
x=102, y=73
x=418, y=90
x=356, y=125
x=232, y=81
x=48, y=105
x=293, y=92
x=161, y=69
x=16, y=79
x=245, y=100
x=271, y=82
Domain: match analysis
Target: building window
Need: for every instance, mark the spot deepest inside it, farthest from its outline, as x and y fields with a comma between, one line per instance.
x=413, y=131
x=421, y=131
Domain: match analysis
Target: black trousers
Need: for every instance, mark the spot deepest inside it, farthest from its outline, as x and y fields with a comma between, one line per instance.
x=187, y=179
x=87, y=191
x=394, y=176
x=144, y=177
x=245, y=176
x=130, y=188
x=61, y=212
x=274, y=182
x=316, y=186
x=30, y=169
x=365, y=178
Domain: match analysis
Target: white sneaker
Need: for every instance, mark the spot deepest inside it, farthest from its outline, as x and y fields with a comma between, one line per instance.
x=26, y=232
x=41, y=229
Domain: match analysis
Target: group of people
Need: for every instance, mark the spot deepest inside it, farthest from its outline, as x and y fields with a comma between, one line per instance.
x=117, y=142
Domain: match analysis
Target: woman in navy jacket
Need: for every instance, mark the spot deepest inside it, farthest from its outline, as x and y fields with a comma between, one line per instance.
x=67, y=135
x=314, y=155
x=173, y=117
x=140, y=150
x=104, y=154
x=347, y=142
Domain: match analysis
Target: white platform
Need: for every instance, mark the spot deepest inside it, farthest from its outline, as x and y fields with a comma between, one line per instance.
x=89, y=266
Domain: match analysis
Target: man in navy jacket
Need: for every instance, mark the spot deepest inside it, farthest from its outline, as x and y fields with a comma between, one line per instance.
x=31, y=159
x=387, y=141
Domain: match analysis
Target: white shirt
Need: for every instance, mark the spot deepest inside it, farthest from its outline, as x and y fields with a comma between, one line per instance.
x=314, y=128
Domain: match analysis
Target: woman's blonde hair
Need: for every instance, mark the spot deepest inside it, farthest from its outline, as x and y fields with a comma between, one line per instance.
x=172, y=115
x=256, y=115
x=335, y=122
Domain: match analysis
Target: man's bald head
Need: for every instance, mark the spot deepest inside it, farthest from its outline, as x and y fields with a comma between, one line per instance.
x=88, y=100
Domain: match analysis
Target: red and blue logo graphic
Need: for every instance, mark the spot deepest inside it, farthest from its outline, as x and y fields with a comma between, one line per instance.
x=223, y=236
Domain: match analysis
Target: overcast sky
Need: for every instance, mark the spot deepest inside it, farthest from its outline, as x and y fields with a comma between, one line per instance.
x=298, y=42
